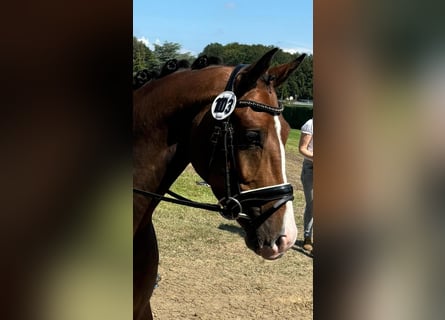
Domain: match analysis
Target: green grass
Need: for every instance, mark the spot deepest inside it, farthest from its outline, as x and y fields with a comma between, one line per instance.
x=187, y=186
x=293, y=141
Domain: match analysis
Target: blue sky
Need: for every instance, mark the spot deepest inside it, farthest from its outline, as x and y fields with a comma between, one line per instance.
x=286, y=24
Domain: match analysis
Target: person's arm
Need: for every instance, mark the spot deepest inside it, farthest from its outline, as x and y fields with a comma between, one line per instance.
x=305, y=139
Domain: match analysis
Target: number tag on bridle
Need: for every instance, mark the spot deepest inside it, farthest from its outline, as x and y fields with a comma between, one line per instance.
x=223, y=105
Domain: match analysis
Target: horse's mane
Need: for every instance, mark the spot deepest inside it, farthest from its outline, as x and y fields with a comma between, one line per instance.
x=143, y=76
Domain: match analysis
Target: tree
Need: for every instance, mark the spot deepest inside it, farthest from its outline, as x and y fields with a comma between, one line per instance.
x=214, y=49
x=143, y=57
x=167, y=51
x=299, y=84
x=304, y=76
x=186, y=56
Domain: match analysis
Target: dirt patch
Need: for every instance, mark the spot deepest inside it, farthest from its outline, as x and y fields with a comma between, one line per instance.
x=207, y=272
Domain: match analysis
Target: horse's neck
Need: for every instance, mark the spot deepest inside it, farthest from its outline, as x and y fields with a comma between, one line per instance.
x=164, y=111
x=163, y=114
x=179, y=96
x=155, y=173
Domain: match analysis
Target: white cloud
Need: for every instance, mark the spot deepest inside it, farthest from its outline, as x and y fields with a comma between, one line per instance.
x=299, y=50
x=193, y=53
x=144, y=41
x=149, y=44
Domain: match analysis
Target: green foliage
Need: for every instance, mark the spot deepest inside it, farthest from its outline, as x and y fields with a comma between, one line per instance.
x=186, y=56
x=214, y=49
x=143, y=57
x=167, y=51
x=299, y=84
x=297, y=115
x=293, y=142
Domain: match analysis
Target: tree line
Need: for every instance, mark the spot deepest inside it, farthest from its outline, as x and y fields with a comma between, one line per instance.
x=299, y=84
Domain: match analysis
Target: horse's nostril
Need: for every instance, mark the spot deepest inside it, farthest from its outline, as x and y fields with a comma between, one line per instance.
x=267, y=244
x=280, y=241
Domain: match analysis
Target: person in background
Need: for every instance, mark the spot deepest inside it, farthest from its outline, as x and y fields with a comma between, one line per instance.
x=306, y=148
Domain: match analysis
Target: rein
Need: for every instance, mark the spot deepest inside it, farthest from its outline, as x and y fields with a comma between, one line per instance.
x=179, y=200
x=231, y=206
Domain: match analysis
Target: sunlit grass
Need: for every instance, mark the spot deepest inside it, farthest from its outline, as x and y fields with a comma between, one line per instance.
x=293, y=140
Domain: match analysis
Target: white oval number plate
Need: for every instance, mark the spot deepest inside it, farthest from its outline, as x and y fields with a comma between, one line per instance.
x=223, y=105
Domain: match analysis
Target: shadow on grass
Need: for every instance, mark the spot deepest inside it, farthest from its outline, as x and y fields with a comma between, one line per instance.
x=231, y=228
x=298, y=246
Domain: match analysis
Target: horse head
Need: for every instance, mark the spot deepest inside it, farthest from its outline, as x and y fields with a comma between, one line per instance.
x=243, y=158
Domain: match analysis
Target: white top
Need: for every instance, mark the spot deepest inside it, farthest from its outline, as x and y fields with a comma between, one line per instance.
x=308, y=128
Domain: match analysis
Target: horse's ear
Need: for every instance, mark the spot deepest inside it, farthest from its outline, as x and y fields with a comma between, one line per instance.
x=248, y=78
x=281, y=72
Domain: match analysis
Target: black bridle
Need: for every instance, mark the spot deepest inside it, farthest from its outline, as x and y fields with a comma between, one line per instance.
x=231, y=206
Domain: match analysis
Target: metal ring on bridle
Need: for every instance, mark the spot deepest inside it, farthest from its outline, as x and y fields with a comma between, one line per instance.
x=228, y=213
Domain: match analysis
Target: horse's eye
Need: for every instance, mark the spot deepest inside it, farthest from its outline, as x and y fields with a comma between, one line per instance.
x=250, y=139
x=253, y=136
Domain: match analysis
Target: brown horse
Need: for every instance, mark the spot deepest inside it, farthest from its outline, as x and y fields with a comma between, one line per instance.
x=227, y=122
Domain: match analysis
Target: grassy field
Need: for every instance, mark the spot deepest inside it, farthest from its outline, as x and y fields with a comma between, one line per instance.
x=206, y=270
x=292, y=142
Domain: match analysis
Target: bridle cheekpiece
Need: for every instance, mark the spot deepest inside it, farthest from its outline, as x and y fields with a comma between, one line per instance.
x=235, y=199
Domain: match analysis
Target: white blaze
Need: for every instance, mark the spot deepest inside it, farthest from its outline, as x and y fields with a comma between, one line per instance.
x=289, y=227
